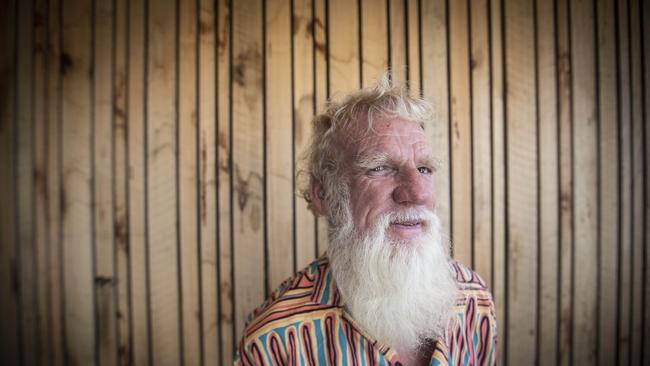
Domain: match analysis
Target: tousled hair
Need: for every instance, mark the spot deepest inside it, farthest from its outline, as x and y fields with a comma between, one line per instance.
x=323, y=159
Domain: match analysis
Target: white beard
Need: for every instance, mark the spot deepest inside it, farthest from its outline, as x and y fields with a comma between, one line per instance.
x=400, y=292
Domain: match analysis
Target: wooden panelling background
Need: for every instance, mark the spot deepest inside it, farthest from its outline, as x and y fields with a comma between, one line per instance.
x=148, y=151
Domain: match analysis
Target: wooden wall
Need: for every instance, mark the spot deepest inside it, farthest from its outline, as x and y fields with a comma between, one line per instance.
x=148, y=153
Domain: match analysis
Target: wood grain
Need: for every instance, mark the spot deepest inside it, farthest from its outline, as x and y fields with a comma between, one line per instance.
x=136, y=153
x=609, y=183
x=645, y=16
x=25, y=214
x=548, y=179
x=54, y=185
x=321, y=90
x=303, y=109
x=80, y=323
x=374, y=36
x=522, y=182
x=120, y=182
x=343, y=45
x=188, y=177
x=224, y=183
x=638, y=176
x=248, y=153
x=40, y=125
x=398, y=43
x=565, y=168
x=279, y=139
x=435, y=89
x=162, y=188
x=624, y=316
x=413, y=41
x=103, y=184
x=207, y=115
x=499, y=174
x=10, y=322
x=460, y=134
x=481, y=140
x=585, y=122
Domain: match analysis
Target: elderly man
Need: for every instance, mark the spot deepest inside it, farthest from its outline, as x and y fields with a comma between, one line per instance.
x=386, y=292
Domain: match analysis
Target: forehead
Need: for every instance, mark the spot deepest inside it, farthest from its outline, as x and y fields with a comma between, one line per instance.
x=386, y=136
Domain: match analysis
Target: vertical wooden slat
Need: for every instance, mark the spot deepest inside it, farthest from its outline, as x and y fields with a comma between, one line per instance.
x=638, y=244
x=343, y=47
x=9, y=323
x=248, y=150
x=522, y=183
x=481, y=140
x=40, y=174
x=304, y=108
x=435, y=89
x=590, y=141
x=321, y=89
x=413, y=41
x=188, y=171
x=566, y=183
x=279, y=136
x=398, y=42
x=208, y=183
x=498, y=172
x=104, y=281
x=497, y=95
x=548, y=180
x=161, y=180
x=120, y=171
x=585, y=124
x=224, y=182
x=609, y=184
x=460, y=134
x=55, y=244
x=24, y=184
x=625, y=205
x=645, y=27
x=374, y=37
x=136, y=151
x=77, y=209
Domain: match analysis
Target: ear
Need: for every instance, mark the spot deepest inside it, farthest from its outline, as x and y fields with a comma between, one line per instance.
x=318, y=197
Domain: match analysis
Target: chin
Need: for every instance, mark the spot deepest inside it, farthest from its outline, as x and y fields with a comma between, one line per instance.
x=399, y=289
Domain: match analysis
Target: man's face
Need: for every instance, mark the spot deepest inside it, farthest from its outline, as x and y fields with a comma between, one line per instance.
x=391, y=169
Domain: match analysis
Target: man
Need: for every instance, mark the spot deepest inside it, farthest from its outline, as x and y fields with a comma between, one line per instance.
x=386, y=291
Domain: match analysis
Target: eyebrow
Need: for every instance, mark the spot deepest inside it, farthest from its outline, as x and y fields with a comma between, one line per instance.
x=364, y=162
x=369, y=161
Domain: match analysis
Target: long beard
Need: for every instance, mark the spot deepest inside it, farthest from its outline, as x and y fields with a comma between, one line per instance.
x=400, y=292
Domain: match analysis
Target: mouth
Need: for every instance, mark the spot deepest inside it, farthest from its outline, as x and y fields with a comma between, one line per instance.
x=407, y=224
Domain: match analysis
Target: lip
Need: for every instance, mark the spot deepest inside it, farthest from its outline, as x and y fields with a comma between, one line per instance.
x=407, y=224
x=407, y=229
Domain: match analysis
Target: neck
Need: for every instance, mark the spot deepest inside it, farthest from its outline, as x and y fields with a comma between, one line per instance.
x=420, y=356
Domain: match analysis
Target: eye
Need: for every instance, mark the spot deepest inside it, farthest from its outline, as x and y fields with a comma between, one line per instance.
x=425, y=170
x=379, y=170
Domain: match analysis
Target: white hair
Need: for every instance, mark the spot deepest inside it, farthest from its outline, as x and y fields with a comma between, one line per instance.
x=324, y=156
x=401, y=293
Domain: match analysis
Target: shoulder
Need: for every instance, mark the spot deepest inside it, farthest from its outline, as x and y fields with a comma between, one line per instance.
x=472, y=288
x=466, y=278
x=299, y=298
x=475, y=318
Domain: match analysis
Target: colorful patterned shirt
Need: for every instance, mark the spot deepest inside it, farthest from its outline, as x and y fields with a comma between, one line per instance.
x=304, y=322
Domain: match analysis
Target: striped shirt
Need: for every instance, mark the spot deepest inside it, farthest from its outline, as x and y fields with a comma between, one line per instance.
x=305, y=323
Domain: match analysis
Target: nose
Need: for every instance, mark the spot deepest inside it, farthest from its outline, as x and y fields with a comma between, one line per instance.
x=413, y=188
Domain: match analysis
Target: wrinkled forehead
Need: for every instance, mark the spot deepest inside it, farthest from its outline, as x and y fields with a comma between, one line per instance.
x=368, y=130
x=362, y=138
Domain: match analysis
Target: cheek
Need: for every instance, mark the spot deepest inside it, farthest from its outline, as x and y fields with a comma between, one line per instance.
x=371, y=199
